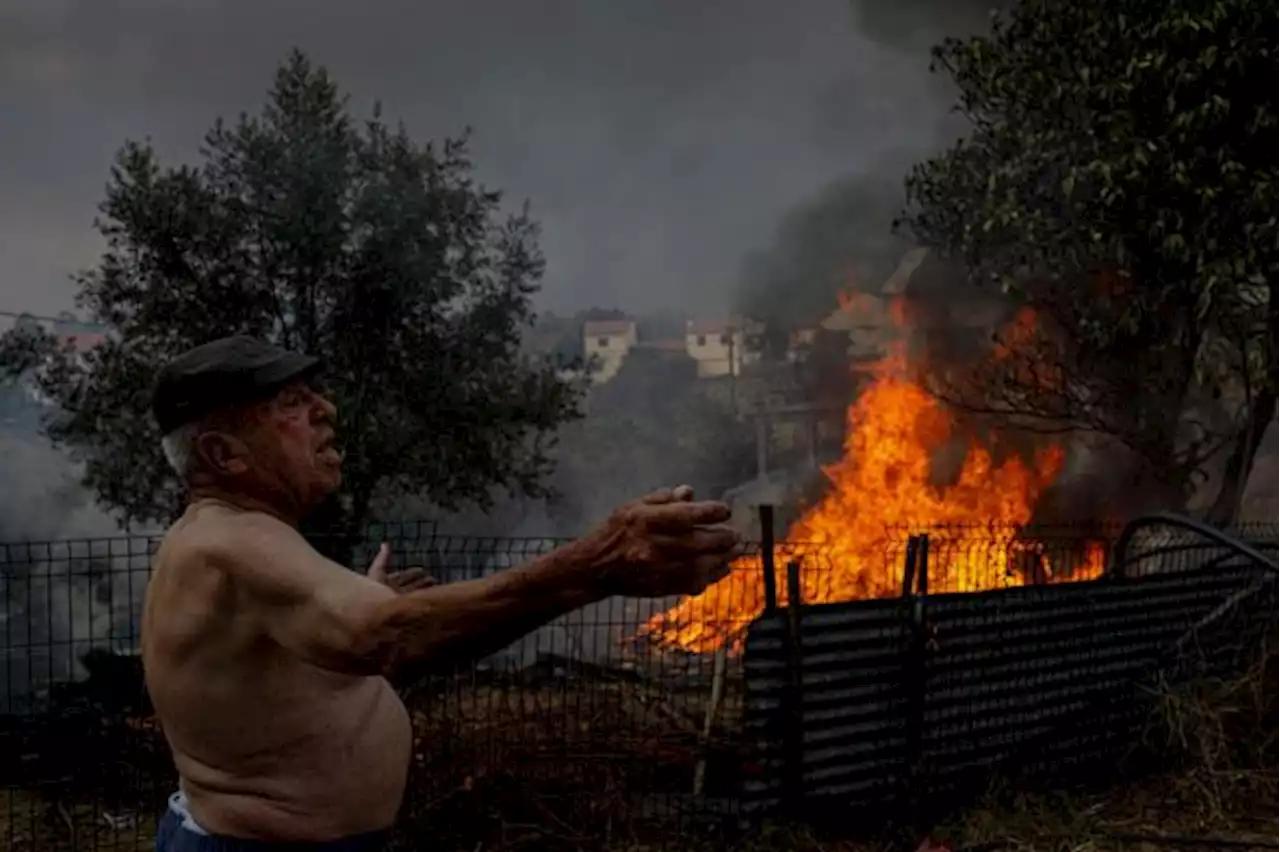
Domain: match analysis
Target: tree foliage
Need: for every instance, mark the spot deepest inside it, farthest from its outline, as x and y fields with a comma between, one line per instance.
x=344, y=239
x=1120, y=181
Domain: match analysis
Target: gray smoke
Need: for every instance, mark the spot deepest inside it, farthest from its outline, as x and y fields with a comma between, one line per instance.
x=654, y=425
x=915, y=25
x=68, y=581
x=659, y=142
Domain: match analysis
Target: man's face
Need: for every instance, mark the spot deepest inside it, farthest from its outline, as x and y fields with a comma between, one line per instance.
x=289, y=445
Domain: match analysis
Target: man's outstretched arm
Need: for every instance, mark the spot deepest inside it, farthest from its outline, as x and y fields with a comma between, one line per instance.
x=457, y=622
x=343, y=621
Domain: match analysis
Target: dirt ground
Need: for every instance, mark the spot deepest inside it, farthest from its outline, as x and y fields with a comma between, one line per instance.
x=536, y=789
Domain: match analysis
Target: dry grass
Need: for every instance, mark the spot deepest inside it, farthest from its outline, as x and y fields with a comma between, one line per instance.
x=556, y=768
x=81, y=781
x=29, y=822
x=1215, y=738
x=550, y=765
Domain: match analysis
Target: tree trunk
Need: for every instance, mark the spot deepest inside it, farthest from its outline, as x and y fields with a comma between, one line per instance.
x=1240, y=463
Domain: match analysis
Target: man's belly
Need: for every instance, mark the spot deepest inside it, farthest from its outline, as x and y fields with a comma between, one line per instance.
x=339, y=773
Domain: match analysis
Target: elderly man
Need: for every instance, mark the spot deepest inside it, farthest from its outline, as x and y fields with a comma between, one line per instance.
x=268, y=664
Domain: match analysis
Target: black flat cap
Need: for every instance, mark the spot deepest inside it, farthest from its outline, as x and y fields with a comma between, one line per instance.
x=227, y=371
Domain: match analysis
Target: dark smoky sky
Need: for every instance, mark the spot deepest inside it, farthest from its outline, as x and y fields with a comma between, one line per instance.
x=657, y=141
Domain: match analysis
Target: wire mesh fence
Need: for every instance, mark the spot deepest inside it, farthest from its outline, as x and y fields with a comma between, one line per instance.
x=625, y=716
x=82, y=764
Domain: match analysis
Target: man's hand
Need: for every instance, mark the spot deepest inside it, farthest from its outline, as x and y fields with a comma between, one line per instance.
x=666, y=544
x=408, y=580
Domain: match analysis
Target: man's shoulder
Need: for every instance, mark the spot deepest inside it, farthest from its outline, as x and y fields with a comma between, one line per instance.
x=218, y=533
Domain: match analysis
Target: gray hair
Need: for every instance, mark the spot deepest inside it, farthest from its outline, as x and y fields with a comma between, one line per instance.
x=179, y=448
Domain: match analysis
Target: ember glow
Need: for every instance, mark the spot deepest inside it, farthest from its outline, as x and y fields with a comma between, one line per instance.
x=881, y=490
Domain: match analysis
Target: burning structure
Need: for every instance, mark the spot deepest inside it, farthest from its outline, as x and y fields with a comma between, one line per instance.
x=887, y=485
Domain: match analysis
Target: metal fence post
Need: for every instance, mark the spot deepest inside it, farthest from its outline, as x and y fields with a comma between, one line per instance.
x=922, y=575
x=767, y=559
x=793, y=735
x=915, y=590
x=909, y=567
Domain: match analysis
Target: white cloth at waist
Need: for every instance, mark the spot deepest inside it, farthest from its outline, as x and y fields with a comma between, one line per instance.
x=178, y=804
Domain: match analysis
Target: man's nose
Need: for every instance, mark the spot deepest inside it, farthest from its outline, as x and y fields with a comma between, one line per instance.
x=322, y=408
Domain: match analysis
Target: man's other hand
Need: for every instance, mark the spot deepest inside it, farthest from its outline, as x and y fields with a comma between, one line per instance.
x=667, y=544
x=408, y=580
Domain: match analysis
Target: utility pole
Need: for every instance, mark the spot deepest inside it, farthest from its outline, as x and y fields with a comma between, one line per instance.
x=811, y=439
x=762, y=446
x=733, y=372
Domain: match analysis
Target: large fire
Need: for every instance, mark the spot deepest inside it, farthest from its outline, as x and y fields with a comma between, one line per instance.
x=852, y=541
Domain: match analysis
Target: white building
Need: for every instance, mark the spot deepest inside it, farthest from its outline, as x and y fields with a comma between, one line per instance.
x=718, y=346
x=605, y=344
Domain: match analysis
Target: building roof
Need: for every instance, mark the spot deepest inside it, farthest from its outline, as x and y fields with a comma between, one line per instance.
x=83, y=341
x=915, y=295
x=607, y=328
x=862, y=310
x=907, y=266
x=858, y=311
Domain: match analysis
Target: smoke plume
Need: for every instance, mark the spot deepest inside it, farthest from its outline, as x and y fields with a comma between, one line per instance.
x=68, y=581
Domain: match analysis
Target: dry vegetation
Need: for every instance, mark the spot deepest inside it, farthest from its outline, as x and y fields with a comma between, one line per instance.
x=549, y=760
x=562, y=765
x=1217, y=738
x=31, y=822
x=557, y=767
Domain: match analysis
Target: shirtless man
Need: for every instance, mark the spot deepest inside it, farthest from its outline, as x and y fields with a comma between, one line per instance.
x=268, y=664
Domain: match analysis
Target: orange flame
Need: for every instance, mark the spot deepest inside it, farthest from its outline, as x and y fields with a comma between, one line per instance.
x=1023, y=335
x=1020, y=332
x=880, y=490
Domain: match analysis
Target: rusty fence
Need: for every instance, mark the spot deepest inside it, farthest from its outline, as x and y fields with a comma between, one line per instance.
x=658, y=718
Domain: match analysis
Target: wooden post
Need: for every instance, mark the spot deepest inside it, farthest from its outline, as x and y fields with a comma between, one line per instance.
x=708, y=723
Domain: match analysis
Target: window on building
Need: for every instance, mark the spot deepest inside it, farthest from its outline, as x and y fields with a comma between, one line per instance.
x=702, y=340
x=724, y=340
x=603, y=343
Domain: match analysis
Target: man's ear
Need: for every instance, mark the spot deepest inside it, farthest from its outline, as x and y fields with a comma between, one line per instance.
x=222, y=454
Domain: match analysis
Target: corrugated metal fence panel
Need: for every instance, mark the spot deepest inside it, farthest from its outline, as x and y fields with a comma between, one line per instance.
x=1040, y=676
x=1052, y=674
x=853, y=699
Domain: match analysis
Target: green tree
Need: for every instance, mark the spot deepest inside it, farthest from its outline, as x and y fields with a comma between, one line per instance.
x=347, y=240
x=1119, y=180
